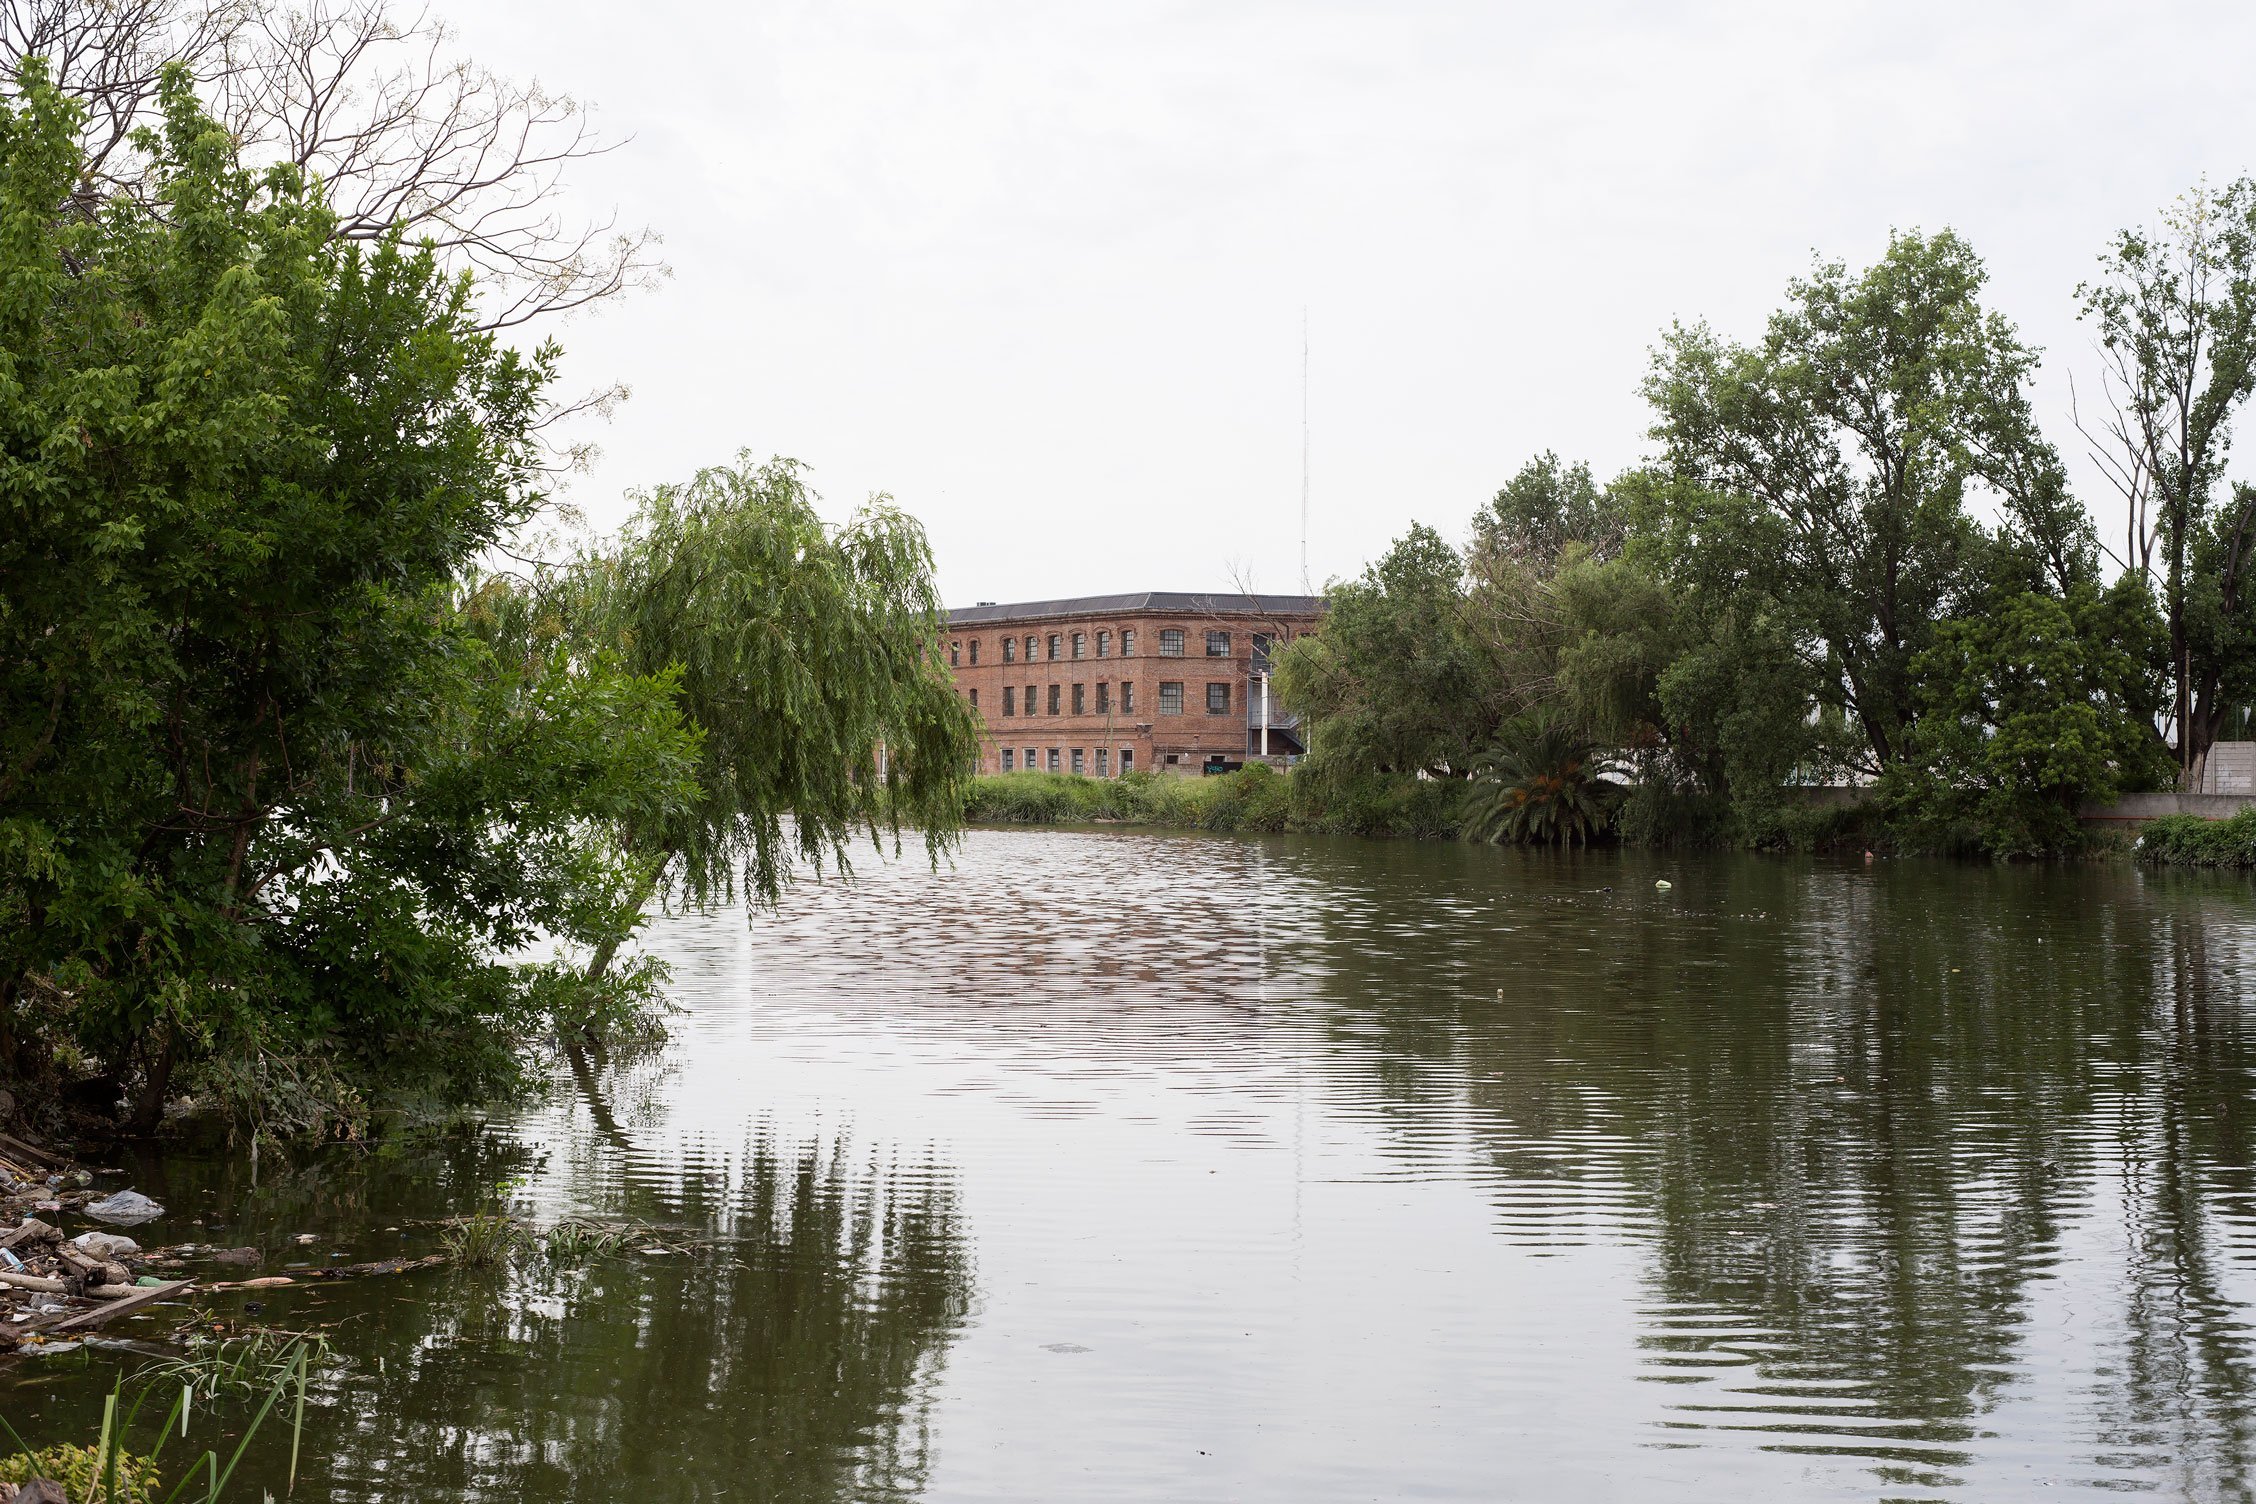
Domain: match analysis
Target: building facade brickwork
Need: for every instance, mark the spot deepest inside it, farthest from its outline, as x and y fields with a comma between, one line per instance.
x=1110, y=684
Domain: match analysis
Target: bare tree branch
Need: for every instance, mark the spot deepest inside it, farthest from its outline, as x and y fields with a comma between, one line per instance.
x=375, y=104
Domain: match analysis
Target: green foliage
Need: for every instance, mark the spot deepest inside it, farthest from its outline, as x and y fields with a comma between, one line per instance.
x=2175, y=311
x=580, y=1240
x=1547, y=510
x=109, y=1472
x=292, y=796
x=2190, y=841
x=262, y=787
x=807, y=657
x=1537, y=787
x=241, y=1367
x=2033, y=707
x=482, y=1239
x=86, y=1473
x=1832, y=463
x=1395, y=683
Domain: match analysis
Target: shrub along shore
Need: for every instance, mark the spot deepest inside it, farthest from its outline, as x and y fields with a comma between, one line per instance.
x=1259, y=800
x=2189, y=840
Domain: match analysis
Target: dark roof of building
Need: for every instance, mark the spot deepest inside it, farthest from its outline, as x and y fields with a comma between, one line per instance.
x=1183, y=602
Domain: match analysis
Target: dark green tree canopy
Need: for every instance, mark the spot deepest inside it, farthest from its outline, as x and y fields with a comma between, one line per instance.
x=288, y=786
x=1854, y=436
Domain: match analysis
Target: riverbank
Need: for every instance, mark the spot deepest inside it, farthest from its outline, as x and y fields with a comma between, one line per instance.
x=1254, y=800
x=1259, y=800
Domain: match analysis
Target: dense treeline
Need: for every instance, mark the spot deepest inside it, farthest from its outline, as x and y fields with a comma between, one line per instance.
x=1853, y=557
x=299, y=805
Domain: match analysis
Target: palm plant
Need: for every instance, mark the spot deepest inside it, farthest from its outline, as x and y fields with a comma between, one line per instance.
x=1536, y=787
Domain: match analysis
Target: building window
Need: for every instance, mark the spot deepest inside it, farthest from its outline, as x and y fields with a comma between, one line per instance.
x=1007, y=755
x=1218, y=699
x=1054, y=699
x=1217, y=644
x=1080, y=701
x=1053, y=647
x=1053, y=759
x=955, y=655
x=1104, y=644
x=1263, y=645
x=975, y=699
x=1030, y=648
x=1031, y=762
x=1171, y=643
x=1104, y=698
x=975, y=652
x=1127, y=760
x=1102, y=759
x=1077, y=764
x=1170, y=699
x=1010, y=650
x=1029, y=699
x=1080, y=642
x=1010, y=700
x=1127, y=642
x=1127, y=699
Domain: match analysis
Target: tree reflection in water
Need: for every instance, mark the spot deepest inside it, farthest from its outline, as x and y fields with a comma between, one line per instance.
x=793, y=1361
x=793, y=1355
x=1855, y=1114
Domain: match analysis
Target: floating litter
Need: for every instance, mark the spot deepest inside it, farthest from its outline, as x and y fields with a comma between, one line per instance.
x=1662, y=882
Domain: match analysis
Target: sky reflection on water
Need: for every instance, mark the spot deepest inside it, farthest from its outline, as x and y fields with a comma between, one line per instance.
x=1111, y=1166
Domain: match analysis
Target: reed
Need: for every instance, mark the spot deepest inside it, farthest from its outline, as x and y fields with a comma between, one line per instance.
x=108, y=1473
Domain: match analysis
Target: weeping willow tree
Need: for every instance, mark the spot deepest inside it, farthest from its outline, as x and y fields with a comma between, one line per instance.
x=807, y=658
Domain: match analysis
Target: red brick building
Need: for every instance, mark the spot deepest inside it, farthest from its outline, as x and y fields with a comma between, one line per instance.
x=1109, y=684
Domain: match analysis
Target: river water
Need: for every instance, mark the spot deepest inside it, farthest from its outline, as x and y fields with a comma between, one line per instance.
x=1157, y=1167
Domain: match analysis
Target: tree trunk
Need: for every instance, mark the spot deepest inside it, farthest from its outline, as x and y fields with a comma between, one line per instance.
x=156, y=1080
x=10, y=1064
x=607, y=948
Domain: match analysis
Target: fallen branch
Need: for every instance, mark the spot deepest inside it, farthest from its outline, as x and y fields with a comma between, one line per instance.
x=36, y=1155
x=47, y=1286
x=132, y=1300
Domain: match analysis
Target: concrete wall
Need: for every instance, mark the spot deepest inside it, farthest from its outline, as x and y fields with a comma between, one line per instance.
x=2134, y=809
x=2231, y=769
x=2131, y=809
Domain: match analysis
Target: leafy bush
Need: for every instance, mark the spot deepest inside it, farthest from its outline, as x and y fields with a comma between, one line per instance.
x=125, y=1479
x=2189, y=840
x=1655, y=815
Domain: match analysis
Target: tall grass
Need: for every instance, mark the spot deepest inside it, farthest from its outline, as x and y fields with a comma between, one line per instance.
x=107, y=1473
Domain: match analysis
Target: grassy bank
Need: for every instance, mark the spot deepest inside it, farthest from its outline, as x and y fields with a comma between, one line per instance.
x=1252, y=799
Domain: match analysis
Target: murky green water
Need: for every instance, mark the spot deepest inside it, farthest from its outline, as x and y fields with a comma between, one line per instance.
x=1167, y=1168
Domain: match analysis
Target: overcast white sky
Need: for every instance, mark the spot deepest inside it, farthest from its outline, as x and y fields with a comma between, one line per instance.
x=1038, y=270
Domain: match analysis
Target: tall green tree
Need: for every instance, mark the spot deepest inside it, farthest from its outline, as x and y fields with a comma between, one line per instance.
x=1845, y=447
x=2175, y=310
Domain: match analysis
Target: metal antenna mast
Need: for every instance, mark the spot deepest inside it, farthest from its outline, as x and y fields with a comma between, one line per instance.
x=1304, y=588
